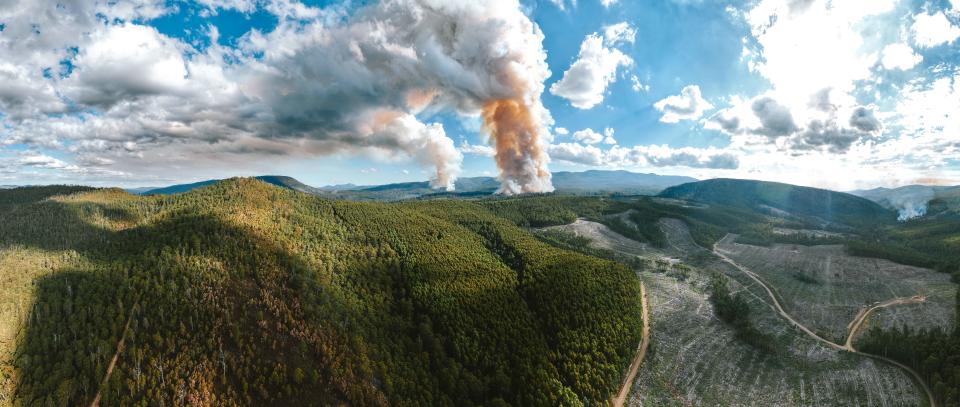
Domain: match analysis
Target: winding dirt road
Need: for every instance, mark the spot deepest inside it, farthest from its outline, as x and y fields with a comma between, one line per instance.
x=854, y=325
x=641, y=352
x=864, y=313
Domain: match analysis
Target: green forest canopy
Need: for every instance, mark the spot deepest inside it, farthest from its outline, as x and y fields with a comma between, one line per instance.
x=243, y=293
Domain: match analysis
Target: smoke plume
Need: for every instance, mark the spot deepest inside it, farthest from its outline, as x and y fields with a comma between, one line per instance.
x=365, y=78
x=519, y=153
x=911, y=202
x=406, y=57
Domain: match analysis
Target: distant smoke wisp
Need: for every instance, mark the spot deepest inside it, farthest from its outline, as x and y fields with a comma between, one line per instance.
x=911, y=211
x=911, y=204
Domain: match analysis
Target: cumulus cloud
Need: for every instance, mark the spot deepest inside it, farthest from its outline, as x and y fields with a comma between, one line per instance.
x=645, y=156
x=666, y=156
x=561, y=131
x=900, y=56
x=587, y=136
x=931, y=30
x=688, y=105
x=585, y=83
x=864, y=119
x=775, y=118
x=608, y=136
x=617, y=33
x=577, y=153
x=124, y=62
x=322, y=82
x=835, y=129
x=817, y=56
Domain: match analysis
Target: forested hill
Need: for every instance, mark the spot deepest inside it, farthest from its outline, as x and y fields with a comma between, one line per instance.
x=278, y=180
x=820, y=204
x=243, y=293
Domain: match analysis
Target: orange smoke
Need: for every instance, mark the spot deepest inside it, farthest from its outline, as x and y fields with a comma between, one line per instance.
x=519, y=155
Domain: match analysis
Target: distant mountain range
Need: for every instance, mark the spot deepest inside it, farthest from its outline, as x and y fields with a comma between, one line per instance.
x=587, y=182
x=784, y=200
x=915, y=200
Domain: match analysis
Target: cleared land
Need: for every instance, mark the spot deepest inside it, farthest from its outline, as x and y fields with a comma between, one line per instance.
x=826, y=289
x=601, y=237
x=696, y=359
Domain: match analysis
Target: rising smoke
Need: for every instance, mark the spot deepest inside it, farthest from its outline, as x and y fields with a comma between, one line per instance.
x=911, y=202
x=519, y=152
x=326, y=81
x=362, y=84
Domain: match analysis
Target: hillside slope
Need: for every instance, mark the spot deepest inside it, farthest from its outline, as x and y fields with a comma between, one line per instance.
x=827, y=207
x=278, y=180
x=241, y=293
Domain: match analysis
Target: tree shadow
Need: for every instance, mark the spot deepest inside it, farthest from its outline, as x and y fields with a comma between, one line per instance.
x=198, y=330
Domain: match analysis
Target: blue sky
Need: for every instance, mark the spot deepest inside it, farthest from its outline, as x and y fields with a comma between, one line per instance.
x=834, y=94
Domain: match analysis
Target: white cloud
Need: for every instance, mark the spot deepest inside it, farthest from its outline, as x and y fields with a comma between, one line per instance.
x=608, y=136
x=645, y=156
x=587, y=136
x=617, y=33
x=586, y=82
x=930, y=116
x=577, y=153
x=562, y=4
x=931, y=30
x=561, y=131
x=816, y=55
x=688, y=105
x=637, y=86
x=900, y=56
x=244, y=6
x=810, y=45
x=125, y=62
x=608, y=3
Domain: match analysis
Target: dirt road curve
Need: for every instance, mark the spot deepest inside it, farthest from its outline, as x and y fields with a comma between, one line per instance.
x=864, y=313
x=641, y=352
x=776, y=303
x=113, y=362
x=854, y=326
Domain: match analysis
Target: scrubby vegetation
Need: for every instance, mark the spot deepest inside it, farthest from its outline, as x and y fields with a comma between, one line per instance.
x=734, y=310
x=241, y=293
